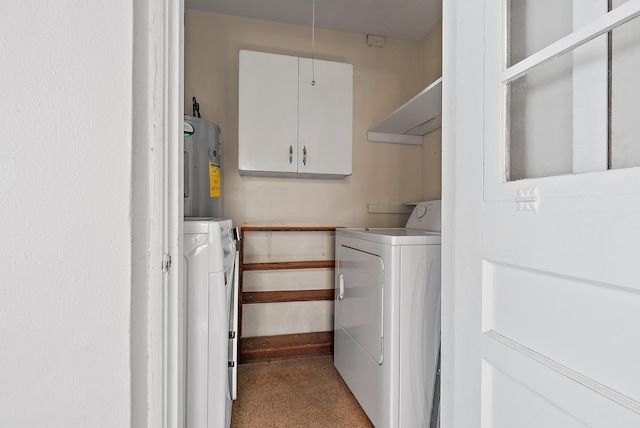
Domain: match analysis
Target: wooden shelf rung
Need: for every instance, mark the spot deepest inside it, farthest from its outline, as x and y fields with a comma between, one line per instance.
x=312, y=264
x=267, y=228
x=287, y=296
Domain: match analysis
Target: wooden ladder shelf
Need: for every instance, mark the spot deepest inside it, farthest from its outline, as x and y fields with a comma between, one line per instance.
x=264, y=348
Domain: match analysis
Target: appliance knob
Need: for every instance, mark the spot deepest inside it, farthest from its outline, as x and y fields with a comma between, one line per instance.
x=421, y=211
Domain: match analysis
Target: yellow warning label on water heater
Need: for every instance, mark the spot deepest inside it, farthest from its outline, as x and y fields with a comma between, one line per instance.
x=214, y=180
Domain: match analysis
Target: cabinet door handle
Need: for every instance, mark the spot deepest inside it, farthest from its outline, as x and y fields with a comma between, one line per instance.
x=290, y=154
x=304, y=155
x=341, y=287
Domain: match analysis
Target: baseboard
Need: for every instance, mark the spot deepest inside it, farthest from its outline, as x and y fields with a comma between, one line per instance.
x=267, y=348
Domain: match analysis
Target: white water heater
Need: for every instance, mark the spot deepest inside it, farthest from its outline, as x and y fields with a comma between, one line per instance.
x=202, y=173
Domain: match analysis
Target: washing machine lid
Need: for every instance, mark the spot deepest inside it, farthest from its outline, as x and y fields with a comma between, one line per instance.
x=211, y=236
x=393, y=236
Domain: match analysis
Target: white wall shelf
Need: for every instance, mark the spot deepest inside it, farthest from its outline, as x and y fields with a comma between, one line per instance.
x=415, y=118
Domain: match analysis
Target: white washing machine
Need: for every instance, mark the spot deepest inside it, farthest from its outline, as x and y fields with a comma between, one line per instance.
x=387, y=317
x=210, y=278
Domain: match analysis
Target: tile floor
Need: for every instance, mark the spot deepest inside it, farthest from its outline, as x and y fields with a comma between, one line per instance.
x=297, y=392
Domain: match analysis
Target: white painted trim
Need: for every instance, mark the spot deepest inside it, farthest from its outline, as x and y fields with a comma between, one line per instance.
x=462, y=201
x=147, y=298
x=157, y=362
x=174, y=325
x=448, y=354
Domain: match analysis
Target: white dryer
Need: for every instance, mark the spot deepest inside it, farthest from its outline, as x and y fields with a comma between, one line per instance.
x=387, y=317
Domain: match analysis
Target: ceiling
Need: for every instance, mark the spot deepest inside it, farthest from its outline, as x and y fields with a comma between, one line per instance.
x=394, y=19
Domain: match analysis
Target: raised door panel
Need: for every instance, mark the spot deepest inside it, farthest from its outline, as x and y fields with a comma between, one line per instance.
x=267, y=113
x=325, y=117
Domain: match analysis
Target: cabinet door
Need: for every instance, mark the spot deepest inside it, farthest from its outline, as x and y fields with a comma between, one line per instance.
x=325, y=117
x=267, y=113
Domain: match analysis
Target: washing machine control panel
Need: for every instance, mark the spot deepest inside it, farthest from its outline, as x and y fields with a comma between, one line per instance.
x=425, y=216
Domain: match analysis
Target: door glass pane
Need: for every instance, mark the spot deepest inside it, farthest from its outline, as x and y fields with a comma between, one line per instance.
x=557, y=115
x=625, y=96
x=533, y=25
x=579, y=112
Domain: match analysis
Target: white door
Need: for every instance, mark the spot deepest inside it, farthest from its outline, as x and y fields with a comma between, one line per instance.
x=543, y=313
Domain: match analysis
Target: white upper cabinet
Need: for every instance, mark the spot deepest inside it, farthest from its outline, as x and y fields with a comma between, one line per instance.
x=295, y=116
x=268, y=113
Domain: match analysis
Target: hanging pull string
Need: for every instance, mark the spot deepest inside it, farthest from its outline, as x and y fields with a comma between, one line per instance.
x=313, y=43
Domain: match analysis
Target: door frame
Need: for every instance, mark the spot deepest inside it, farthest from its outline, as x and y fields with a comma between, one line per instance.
x=462, y=201
x=157, y=305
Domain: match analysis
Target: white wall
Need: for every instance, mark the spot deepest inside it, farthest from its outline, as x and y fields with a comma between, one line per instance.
x=384, y=78
x=65, y=189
